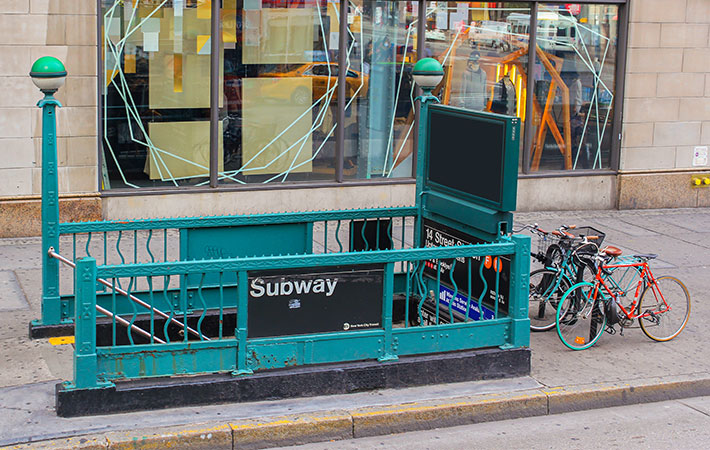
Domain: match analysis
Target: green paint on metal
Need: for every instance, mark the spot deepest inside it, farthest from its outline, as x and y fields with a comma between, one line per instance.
x=228, y=221
x=388, y=351
x=85, y=359
x=48, y=67
x=218, y=253
x=301, y=261
x=51, y=305
x=427, y=66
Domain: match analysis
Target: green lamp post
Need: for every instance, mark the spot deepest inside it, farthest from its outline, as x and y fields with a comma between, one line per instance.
x=427, y=74
x=48, y=74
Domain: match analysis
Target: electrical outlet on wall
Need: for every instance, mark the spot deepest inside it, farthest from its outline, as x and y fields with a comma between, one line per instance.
x=700, y=156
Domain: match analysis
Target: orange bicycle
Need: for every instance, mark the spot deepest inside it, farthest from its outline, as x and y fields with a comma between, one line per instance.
x=624, y=289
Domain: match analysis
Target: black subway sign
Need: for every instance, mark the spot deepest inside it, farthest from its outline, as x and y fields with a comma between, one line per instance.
x=289, y=302
x=483, y=273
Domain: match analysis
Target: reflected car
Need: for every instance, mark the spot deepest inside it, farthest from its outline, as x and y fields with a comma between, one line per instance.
x=435, y=35
x=491, y=34
x=324, y=77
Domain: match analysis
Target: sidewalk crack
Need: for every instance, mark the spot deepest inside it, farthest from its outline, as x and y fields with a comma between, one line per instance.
x=705, y=413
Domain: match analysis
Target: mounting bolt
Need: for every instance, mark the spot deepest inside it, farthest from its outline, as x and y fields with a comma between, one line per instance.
x=695, y=181
x=706, y=181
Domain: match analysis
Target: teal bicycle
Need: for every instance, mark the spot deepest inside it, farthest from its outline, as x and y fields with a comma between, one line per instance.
x=567, y=259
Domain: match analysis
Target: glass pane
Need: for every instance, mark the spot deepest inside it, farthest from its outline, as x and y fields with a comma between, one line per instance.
x=155, y=100
x=483, y=47
x=280, y=65
x=574, y=87
x=379, y=117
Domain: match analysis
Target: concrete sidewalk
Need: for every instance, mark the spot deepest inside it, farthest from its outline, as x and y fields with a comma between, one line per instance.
x=617, y=370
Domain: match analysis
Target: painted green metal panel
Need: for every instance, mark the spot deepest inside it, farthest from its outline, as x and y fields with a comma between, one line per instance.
x=520, y=291
x=244, y=241
x=169, y=359
x=488, y=221
x=273, y=353
x=51, y=305
x=452, y=337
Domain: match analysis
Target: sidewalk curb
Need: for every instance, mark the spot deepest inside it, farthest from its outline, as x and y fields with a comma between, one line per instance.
x=321, y=426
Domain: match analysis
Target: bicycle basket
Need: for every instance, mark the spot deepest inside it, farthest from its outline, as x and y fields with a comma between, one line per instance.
x=544, y=242
x=589, y=231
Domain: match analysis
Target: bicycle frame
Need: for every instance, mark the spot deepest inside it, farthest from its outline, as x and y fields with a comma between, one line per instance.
x=608, y=294
x=567, y=269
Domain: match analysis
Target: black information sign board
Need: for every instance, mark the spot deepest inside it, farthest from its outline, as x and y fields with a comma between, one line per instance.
x=303, y=301
x=437, y=235
x=467, y=155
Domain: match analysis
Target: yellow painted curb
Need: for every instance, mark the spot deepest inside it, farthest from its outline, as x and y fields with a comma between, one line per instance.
x=427, y=415
x=193, y=437
x=79, y=443
x=605, y=395
x=292, y=430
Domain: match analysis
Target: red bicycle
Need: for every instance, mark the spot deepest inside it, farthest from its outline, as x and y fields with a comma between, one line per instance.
x=624, y=289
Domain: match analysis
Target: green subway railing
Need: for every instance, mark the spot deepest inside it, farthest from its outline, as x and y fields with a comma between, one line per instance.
x=212, y=298
x=153, y=240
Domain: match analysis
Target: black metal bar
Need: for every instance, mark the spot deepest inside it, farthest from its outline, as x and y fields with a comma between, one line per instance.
x=99, y=92
x=421, y=43
x=342, y=72
x=214, y=93
x=529, y=111
x=619, y=81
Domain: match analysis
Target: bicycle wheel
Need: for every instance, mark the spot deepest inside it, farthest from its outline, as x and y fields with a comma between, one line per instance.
x=580, y=318
x=668, y=306
x=554, y=255
x=545, y=295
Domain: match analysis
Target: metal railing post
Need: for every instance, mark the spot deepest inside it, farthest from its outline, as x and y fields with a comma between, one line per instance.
x=389, y=351
x=242, y=321
x=51, y=305
x=85, y=363
x=519, y=292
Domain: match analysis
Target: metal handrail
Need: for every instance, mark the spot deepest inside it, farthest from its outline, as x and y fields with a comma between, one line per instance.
x=104, y=311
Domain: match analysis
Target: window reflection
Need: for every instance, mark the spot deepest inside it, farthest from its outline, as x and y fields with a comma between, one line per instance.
x=379, y=114
x=155, y=99
x=574, y=87
x=281, y=73
x=483, y=47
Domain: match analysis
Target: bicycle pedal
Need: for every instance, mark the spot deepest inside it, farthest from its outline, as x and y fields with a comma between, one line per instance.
x=610, y=330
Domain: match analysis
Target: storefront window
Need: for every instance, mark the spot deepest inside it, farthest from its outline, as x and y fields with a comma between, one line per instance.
x=483, y=47
x=379, y=114
x=280, y=84
x=156, y=92
x=574, y=87
x=279, y=66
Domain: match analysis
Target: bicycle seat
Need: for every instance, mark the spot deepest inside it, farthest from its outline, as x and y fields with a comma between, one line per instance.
x=612, y=251
x=646, y=256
